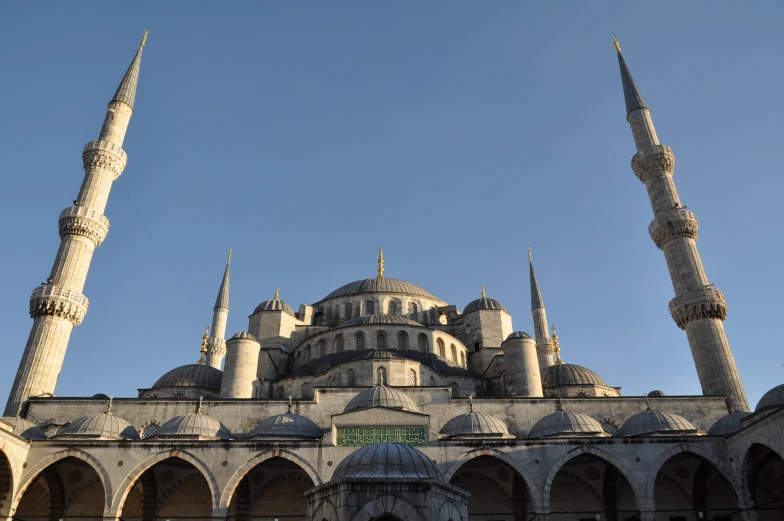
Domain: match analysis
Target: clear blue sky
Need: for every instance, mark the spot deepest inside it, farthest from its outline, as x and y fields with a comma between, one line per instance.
x=305, y=134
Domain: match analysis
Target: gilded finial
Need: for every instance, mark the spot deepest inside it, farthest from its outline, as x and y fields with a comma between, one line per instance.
x=471, y=402
x=198, y=409
x=291, y=398
x=203, y=350
x=530, y=259
x=277, y=293
x=228, y=261
x=556, y=349
x=144, y=39
x=380, y=262
x=109, y=407
x=483, y=292
x=617, y=45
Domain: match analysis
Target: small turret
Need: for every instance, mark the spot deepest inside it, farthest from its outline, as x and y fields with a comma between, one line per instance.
x=521, y=364
x=242, y=359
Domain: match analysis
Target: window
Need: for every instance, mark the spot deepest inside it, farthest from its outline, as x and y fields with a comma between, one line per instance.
x=381, y=376
x=279, y=393
x=411, y=378
x=307, y=353
x=370, y=307
x=462, y=359
x=381, y=340
x=340, y=344
x=412, y=308
x=609, y=427
x=422, y=343
x=322, y=347
x=351, y=378
x=349, y=310
x=149, y=430
x=441, y=348
x=455, y=390
x=392, y=307
x=359, y=341
x=402, y=340
x=329, y=315
x=453, y=349
x=307, y=391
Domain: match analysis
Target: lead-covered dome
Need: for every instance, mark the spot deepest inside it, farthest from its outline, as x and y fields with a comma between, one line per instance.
x=728, y=424
x=569, y=374
x=518, y=334
x=650, y=422
x=483, y=303
x=380, y=285
x=381, y=396
x=288, y=424
x=380, y=320
x=566, y=423
x=196, y=425
x=274, y=305
x=24, y=428
x=771, y=398
x=475, y=424
x=103, y=426
x=385, y=461
x=192, y=375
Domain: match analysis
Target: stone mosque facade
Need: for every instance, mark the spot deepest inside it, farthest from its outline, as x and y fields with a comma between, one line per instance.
x=382, y=402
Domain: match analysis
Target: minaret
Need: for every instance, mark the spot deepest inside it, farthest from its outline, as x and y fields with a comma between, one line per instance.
x=544, y=348
x=698, y=307
x=216, y=345
x=58, y=305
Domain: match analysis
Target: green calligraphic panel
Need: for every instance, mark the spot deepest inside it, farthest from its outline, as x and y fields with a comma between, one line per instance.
x=361, y=436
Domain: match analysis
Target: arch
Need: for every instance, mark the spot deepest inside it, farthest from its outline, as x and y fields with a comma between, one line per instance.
x=135, y=474
x=370, y=307
x=411, y=378
x=763, y=495
x=258, y=459
x=348, y=310
x=462, y=359
x=412, y=308
x=387, y=505
x=7, y=479
x=325, y=510
x=340, y=344
x=381, y=376
x=359, y=341
x=453, y=351
x=402, y=340
x=455, y=390
x=441, y=347
x=306, y=391
x=322, y=347
x=49, y=461
x=351, y=378
x=381, y=340
x=638, y=488
x=449, y=512
x=392, y=307
x=529, y=480
x=422, y=343
x=307, y=353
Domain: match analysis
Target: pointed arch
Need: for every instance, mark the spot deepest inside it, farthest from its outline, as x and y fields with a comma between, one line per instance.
x=131, y=479
x=7, y=480
x=258, y=459
x=325, y=510
x=387, y=504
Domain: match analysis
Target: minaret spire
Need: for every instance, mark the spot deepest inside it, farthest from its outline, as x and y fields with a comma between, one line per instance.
x=216, y=344
x=698, y=307
x=58, y=305
x=544, y=348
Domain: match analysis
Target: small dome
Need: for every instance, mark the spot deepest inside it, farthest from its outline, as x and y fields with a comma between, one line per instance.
x=380, y=320
x=728, y=424
x=381, y=396
x=483, y=303
x=518, y=334
x=192, y=375
x=24, y=428
x=274, y=305
x=474, y=424
x=99, y=396
x=379, y=285
x=647, y=423
x=104, y=425
x=771, y=398
x=386, y=461
x=288, y=424
x=656, y=394
x=244, y=335
x=569, y=374
x=194, y=424
x=566, y=423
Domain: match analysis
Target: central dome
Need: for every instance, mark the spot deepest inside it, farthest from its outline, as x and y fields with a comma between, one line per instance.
x=387, y=461
x=380, y=285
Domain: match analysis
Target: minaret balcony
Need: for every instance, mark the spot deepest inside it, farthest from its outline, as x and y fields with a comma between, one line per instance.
x=657, y=159
x=84, y=221
x=705, y=302
x=105, y=155
x=59, y=302
x=678, y=222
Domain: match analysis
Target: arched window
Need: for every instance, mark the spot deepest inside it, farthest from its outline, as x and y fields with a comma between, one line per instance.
x=298, y=359
x=149, y=430
x=349, y=310
x=359, y=340
x=340, y=344
x=370, y=307
x=307, y=391
x=307, y=353
x=411, y=378
x=322, y=347
x=441, y=348
x=381, y=376
x=402, y=340
x=392, y=307
x=351, y=378
x=329, y=315
x=422, y=343
x=462, y=359
x=455, y=390
x=412, y=308
x=381, y=340
x=453, y=349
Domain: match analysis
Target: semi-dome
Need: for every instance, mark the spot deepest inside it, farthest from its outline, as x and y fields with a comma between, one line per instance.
x=192, y=375
x=24, y=428
x=380, y=320
x=728, y=424
x=274, y=305
x=381, y=396
x=103, y=426
x=380, y=285
x=566, y=423
x=483, y=303
x=656, y=394
x=243, y=335
x=476, y=424
x=288, y=424
x=569, y=374
x=385, y=461
x=194, y=425
x=518, y=334
x=650, y=422
x=771, y=398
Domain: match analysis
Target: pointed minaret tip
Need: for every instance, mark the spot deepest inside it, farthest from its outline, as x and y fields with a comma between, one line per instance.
x=617, y=45
x=222, y=301
x=536, y=294
x=126, y=92
x=144, y=39
x=228, y=260
x=631, y=94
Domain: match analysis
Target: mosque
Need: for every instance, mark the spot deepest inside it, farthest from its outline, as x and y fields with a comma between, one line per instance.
x=382, y=402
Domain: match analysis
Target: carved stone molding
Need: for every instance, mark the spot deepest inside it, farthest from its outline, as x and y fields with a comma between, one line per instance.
x=658, y=158
x=59, y=302
x=674, y=223
x=706, y=302
x=106, y=155
x=80, y=220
